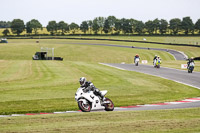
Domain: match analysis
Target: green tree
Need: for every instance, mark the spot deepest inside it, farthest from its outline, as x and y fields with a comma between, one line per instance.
x=84, y=26
x=125, y=26
x=90, y=23
x=28, y=27
x=64, y=27
x=52, y=27
x=163, y=26
x=175, y=25
x=139, y=27
x=117, y=26
x=34, y=25
x=100, y=22
x=95, y=26
x=6, y=32
x=17, y=26
x=111, y=21
x=156, y=24
x=133, y=23
x=4, y=24
x=197, y=25
x=73, y=27
x=106, y=27
x=149, y=26
x=187, y=25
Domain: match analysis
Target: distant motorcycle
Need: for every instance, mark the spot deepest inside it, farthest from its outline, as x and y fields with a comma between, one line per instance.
x=137, y=60
x=88, y=101
x=157, y=63
x=191, y=67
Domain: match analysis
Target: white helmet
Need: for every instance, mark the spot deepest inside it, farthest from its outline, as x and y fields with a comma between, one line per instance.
x=82, y=81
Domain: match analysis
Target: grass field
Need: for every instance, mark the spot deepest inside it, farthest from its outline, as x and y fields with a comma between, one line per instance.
x=28, y=86
x=165, y=39
x=157, y=121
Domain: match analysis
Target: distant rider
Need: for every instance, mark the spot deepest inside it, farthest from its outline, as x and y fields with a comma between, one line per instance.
x=159, y=59
x=90, y=87
x=136, y=56
x=190, y=61
x=155, y=58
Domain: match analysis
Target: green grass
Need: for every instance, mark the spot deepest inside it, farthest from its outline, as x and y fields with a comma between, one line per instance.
x=47, y=86
x=166, y=39
x=24, y=49
x=28, y=86
x=157, y=121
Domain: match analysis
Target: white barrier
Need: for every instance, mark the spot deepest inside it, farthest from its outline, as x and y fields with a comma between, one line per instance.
x=144, y=61
x=184, y=66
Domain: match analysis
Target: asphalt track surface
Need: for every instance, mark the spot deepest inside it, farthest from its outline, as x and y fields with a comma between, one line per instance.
x=177, y=54
x=180, y=76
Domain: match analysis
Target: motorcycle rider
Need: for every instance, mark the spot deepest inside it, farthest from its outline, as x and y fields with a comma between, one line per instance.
x=158, y=59
x=136, y=56
x=155, y=58
x=190, y=61
x=89, y=86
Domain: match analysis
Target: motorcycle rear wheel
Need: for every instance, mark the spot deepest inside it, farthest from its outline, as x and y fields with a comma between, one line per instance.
x=109, y=106
x=84, y=107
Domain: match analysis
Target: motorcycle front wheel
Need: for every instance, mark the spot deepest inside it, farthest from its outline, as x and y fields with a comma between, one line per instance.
x=84, y=107
x=109, y=106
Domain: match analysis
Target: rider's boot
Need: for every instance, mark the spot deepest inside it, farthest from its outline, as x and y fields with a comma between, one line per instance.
x=102, y=98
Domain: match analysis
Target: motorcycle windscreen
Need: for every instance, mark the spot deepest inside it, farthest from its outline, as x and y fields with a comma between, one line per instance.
x=104, y=92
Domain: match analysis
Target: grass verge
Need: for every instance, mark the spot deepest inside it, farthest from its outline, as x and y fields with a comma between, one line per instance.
x=156, y=121
x=46, y=89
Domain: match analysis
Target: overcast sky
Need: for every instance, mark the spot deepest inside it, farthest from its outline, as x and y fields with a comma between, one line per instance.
x=81, y=10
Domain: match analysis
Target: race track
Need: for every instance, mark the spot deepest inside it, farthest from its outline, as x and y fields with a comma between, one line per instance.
x=177, y=54
x=180, y=76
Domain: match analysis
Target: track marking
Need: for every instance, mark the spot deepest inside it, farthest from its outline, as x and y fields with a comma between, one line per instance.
x=112, y=66
x=188, y=100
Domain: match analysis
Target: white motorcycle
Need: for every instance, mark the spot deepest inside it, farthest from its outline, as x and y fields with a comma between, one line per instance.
x=137, y=61
x=88, y=101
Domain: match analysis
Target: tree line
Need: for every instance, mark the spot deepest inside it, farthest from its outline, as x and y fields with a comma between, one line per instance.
x=106, y=25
